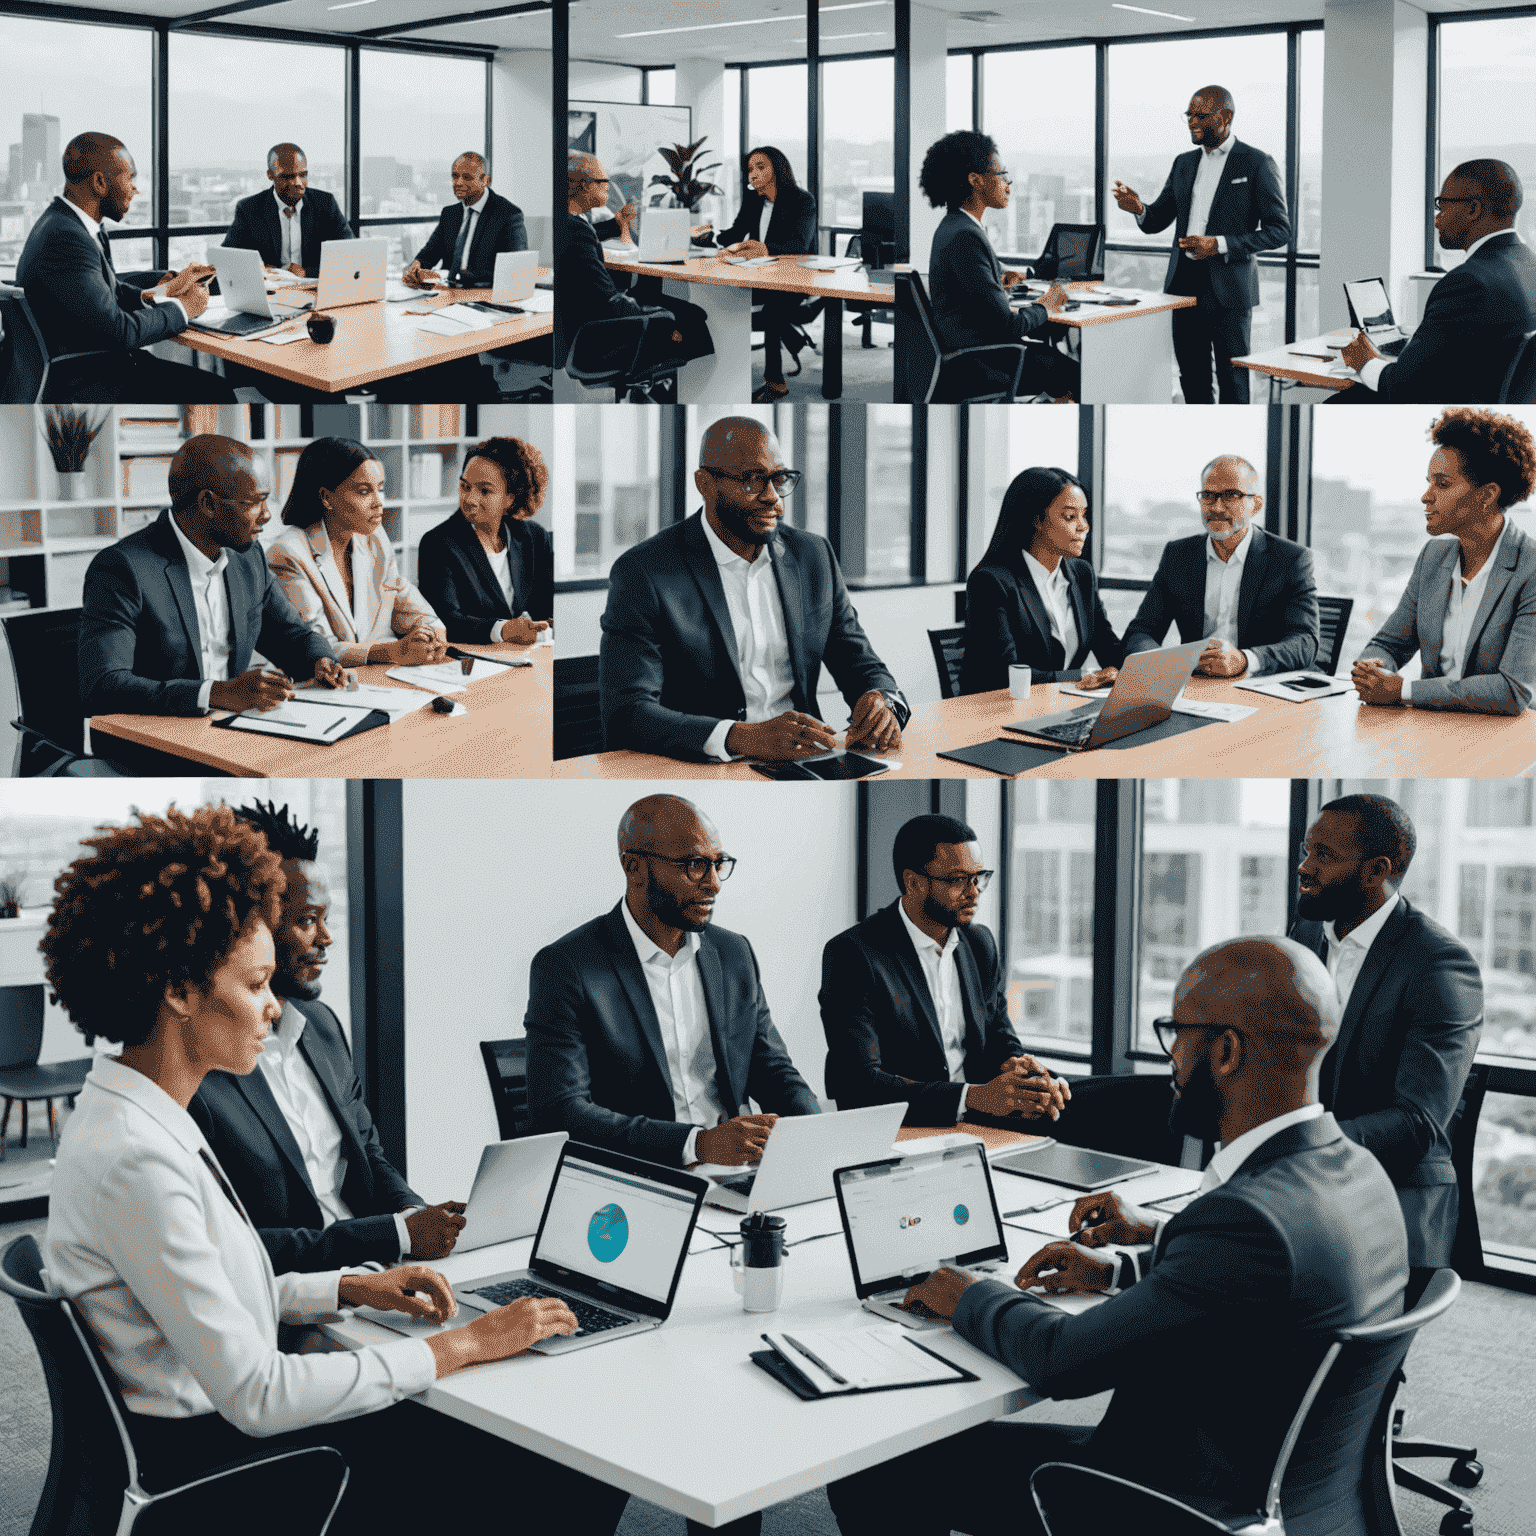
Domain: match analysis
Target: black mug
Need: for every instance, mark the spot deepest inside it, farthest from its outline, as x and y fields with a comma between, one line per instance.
x=757, y=1262
x=321, y=328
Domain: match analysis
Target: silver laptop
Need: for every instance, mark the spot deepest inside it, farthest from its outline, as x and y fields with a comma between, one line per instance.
x=508, y=1195
x=664, y=234
x=247, y=307
x=1370, y=310
x=802, y=1152
x=351, y=272
x=1143, y=695
x=513, y=276
x=904, y=1217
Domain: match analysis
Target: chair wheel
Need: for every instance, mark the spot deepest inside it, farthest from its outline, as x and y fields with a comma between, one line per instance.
x=1457, y=1523
x=1466, y=1474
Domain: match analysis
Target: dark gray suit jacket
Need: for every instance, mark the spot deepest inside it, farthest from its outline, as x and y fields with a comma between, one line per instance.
x=1395, y=1074
x=501, y=228
x=257, y=226
x=139, y=650
x=667, y=669
x=965, y=283
x=251, y=1138
x=597, y=1067
x=1498, y=673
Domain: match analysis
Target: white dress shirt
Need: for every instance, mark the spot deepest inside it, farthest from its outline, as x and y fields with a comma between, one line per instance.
x=177, y=1288
x=94, y=226
x=290, y=252
x=472, y=212
x=1052, y=587
x=1203, y=194
x=1223, y=583
x=762, y=645
x=943, y=979
x=677, y=993
x=210, y=602
x=1461, y=605
x=501, y=569
x=1347, y=955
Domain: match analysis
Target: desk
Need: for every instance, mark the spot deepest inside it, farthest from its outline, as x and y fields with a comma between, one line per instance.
x=506, y=734
x=1337, y=737
x=373, y=341
x=1281, y=365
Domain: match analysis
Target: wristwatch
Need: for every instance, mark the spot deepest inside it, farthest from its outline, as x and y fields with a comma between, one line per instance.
x=899, y=707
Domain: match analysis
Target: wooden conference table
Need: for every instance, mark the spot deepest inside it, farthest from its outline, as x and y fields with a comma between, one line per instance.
x=1336, y=737
x=608, y=1411
x=1287, y=365
x=505, y=734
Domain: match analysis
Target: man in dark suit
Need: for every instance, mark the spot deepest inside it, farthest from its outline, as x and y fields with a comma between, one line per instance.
x=295, y=1138
x=912, y=999
x=716, y=628
x=1476, y=315
x=1411, y=998
x=647, y=1028
x=472, y=231
x=289, y=224
x=1294, y=1234
x=1249, y=593
x=82, y=306
x=171, y=613
x=1227, y=203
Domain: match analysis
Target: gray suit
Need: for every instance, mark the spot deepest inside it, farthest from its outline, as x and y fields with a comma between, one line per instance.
x=1498, y=672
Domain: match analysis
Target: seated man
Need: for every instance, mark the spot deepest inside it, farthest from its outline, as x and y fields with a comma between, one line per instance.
x=294, y=1138
x=647, y=1028
x=1213, y=1336
x=912, y=998
x=472, y=231
x=289, y=224
x=1249, y=593
x=716, y=628
x=172, y=613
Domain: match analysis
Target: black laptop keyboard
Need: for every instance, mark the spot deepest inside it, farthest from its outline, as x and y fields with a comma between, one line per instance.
x=1073, y=731
x=1391, y=348
x=593, y=1319
x=740, y=1182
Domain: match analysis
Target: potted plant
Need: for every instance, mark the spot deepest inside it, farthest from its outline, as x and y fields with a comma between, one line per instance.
x=684, y=183
x=71, y=431
x=10, y=895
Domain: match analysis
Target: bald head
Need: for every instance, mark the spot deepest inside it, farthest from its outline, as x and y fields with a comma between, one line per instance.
x=89, y=153
x=732, y=439
x=660, y=820
x=207, y=462
x=1248, y=476
x=669, y=850
x=218, y=493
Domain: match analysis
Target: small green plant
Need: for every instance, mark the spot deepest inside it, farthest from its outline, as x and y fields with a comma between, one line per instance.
x=684, y=183
x=71, y=432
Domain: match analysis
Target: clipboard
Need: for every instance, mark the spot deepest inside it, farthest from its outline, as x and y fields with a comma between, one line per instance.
x=787, y=1375
x=252, y=727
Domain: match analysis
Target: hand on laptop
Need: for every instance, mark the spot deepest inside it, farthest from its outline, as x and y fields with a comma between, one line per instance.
x=1066, y=1267
x=435, y=1229
x=1106, y=1217
x=735, y=1141
x=1221, y=658
x=940, y=1293
x=1100, y=679
x=1359, y=352
x=783, y=739
x=259, y=688
x=410, y=1288
x=1374, y=683
x=497, y=1335
x=417, y=276
x=874, y=724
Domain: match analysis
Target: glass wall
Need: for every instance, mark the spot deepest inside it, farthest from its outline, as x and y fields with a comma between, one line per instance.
x=661, y=87
x=887, y=496
x=857, y=150
x=443, y=101
x=612, y=501
x=729, y=149
x=1004, y=441
x=776, y=111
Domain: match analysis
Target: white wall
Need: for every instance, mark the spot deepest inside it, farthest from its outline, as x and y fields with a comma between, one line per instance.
x=701, y=86
x=520, y=149
x=594, y=81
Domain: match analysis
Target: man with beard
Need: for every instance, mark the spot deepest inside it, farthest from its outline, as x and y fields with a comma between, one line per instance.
x=912, y=998
x=1208, y=1337
x=295, y=1138
x=717, y=628
x=1411, y=1000
x=647, y=1028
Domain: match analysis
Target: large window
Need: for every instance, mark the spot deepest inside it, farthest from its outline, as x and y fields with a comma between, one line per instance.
x=612, y=501
x=776, y=111
x=857, y=153
x=1005, y=441
x=443, y=101
x=728, y=151
x=887, y=543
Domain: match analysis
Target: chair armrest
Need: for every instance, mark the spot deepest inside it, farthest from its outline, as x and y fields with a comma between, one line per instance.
x=1016, y=348
x=300, y=1490
x=637, y=323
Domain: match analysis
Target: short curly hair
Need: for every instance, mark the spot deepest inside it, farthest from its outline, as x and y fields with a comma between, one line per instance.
x=522, y=469
x=945, y=177
x=159, y=904
x=1492, y=447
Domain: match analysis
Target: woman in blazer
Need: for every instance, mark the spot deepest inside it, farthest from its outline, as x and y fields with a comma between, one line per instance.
x=489, y=570
x=777, y=217
x=338, y=568
x=1032, y=601
x=1469, y=610
x=161, y=939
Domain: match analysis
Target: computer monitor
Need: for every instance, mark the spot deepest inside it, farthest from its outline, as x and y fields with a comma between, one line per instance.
x=879, y=217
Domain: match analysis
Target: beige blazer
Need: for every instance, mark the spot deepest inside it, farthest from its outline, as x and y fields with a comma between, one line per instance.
x=388, y=604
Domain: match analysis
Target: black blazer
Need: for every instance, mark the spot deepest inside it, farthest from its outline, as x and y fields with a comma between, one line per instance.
x=256, y=226
x=584, y=288
x=791, y=226
x=1006, y=625
x=250, y=1136
x=1249, y=209
x=139, y=652
x=1395, y=1074
x=1304, y=1238
x=1475, y=318
x=597, y=1067
x=883, y=1041
x=455, y=576
x=965, y=285
x=1276, y=601
x=667, y=669
x=499, y=228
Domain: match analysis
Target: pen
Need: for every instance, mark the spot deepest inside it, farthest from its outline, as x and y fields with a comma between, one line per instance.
x=1045, y=1205
x=816, y=1360
x=332, y=726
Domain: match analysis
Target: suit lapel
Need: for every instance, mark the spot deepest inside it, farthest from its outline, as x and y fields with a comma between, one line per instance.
x=706, y=575
x=626, y=963
x=916, y=978
x=1498, y=579
x=1252, y=582
x=1078, y=579
x=730, y=1083
x=1377, y=962
x=1229, y=163
x=253, y=1087
x=319, y=1064
x=970, y=996
x=1034, y=606
x=180, y=582
x=1432, y=636
x=474, y=552
x=330, y=574
x=787, y=575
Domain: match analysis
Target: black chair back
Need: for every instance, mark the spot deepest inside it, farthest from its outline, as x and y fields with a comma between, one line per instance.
x=877, y=229
x=1072, y=252
x=24, y=358
x=1467, y=1245
x=1124, y=1115
x=606, y=353
x=506, y=1067
x=578, y=724
x=948, y=654
x=44, y=647
x=21, y=1026
x=1333, y=624
x=1519, y=387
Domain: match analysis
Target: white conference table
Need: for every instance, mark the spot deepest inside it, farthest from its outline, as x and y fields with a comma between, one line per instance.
x=636, y=1413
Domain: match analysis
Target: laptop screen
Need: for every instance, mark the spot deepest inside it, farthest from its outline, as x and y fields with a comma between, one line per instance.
x=1369, y=304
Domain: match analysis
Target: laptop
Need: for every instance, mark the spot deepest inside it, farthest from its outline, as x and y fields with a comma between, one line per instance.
x=664, y=234
x=1370, y=310
x=247, y=307
x=1143, y=695
x=1076, y=1167
x=904, y=1217
x=801, y=1154
x=510, y=1188
x=351, y=272
x=514, y=276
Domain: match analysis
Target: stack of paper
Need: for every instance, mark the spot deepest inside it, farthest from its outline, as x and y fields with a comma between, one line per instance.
x=860, y=1359
x=395, y=702
x=455, y=320
x=445, y=676
x=323, y=724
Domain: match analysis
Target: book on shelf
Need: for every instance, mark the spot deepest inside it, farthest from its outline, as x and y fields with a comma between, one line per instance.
x=434, y=421
x=146, y=476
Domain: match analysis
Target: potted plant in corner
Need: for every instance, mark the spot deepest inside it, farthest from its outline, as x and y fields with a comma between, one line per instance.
x=10, y=895
x=684, y=183
x=71, y=431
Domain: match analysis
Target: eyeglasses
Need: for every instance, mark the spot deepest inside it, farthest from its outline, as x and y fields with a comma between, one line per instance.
x=1440, y=202
x=1166, y=1029
x=693, y=869
x=1230, y=498
x=782, y=480
x=241, y=501
x=980, y=878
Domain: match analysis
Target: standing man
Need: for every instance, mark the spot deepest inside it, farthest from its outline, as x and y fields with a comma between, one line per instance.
x=290, y=225
x=471, y=231
x=1227, y=202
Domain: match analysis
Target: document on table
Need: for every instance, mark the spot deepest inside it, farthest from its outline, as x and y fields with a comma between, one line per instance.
x=861, y=1359
x=282, y=338
x=750, y=261
x=445, y=676
x=1182, y=706
x=1299, y=687
x=455, y=320
x=537, y=304
x=302, y=720
x=831, y=263
x=395, y=702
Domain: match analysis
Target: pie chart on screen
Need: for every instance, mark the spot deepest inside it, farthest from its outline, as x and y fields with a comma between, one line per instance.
x=608, y=1233
x=962, y=1215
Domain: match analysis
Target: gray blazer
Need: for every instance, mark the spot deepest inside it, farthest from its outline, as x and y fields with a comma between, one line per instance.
x=1499, y=670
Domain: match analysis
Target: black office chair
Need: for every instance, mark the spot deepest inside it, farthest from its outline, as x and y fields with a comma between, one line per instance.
x=95, y=1481
x=578, y=722
x=22, y=1081
x=24, y=361
x=1126, y=1115
x=44, y=651
x=948, y=655
x=1339, y=1428
x=1073, y=253
x=605, y=355
x=1519, y=386
x=506, y=1067
x=927, y=359
x=796, y=338
x=1333, y=624
x=874, y=253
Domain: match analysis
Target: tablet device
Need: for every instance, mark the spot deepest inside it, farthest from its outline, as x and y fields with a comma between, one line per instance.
x=1076, y=1167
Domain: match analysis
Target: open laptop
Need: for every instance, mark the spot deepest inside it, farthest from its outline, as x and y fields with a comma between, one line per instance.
x=510, y=1188
x=802, y=1152
x=514, y=276
x=1076, y=1167
x=904, y=1217
x=1370, y=310
x=664, y=234
x=1143, y=695
x=247, y=307
x=351, y=272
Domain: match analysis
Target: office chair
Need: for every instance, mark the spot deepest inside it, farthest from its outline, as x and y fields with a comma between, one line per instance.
x=578, y=723
x=24, y=361
x=506, y=1066
x=604, y=355
x=94, y=1469
x=948, y=655
x=1073, y=253
x=1333, y=624
x=44, y=648
x=797, y=319
x=1337, y=1435
x=1125, y=1114
x=879, y=254
x=926, y=360
x=21, y=1079
x=1519, y=386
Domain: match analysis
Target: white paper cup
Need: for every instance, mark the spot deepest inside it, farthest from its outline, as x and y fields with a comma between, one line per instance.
x=1019, y=682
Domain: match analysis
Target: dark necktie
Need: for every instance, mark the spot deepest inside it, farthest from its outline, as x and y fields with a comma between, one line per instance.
x=462, y=243
x=106, y=250
x=213, y=1168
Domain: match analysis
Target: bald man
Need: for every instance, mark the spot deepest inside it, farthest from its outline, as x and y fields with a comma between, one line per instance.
x=717, y=628
x=1247, y=593
x=172, y=613
x=648, y=1030
x=1209, y=1335
x=82, y=305
x=289, y=224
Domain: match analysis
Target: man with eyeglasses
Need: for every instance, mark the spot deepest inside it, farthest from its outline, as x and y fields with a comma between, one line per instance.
x=716, y=629
x=1227, y=203
x=171, y=614
x=1247, y=593
x=913, y=1002
x=648, y=1030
